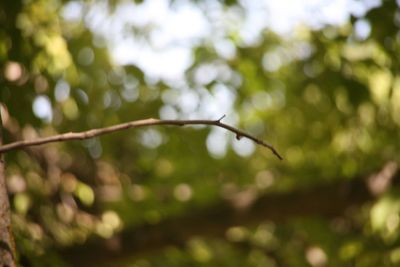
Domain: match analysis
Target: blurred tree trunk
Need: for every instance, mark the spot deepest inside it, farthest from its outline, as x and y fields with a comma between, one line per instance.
x=326, y=201
x=7, y=245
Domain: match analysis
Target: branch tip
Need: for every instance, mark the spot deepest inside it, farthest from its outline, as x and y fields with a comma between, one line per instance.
x=219, y=120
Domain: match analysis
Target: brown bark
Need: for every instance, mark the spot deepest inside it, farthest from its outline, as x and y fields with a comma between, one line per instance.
x=7, y=246
x=135, y=124
x=327, y=201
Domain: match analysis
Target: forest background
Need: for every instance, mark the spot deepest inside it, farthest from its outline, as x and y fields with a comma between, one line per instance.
x=318, y=80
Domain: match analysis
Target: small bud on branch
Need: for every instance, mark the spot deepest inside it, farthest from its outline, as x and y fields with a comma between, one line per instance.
x=133, y=124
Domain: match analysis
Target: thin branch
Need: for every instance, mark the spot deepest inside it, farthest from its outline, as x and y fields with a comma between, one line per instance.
x=223, y=116
x=133, y=124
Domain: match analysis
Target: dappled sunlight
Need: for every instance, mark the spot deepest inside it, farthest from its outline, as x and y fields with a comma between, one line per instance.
x=217, y=143
x=42, y=108
x=13, y=71
x=380, y=182
x=138, y=193
x=264, y=179
x=183, y=192
x=243, y=148
x=316, y=257
x=199, y=250
x=380, y=83
x=110, y=222
x=236, y=233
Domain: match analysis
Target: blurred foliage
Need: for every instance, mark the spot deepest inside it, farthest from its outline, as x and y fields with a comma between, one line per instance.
x=328, y=99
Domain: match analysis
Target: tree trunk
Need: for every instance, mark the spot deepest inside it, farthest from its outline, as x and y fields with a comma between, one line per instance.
x=7, y=245
x=324, y=201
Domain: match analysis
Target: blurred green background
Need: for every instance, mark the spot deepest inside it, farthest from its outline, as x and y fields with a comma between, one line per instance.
x=319, y=80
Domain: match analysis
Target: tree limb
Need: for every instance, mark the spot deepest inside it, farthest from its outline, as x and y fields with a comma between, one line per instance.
x=327, y=201
x=134, y=124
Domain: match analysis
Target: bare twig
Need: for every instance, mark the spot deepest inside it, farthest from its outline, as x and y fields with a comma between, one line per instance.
x=133, y=124
x=220, y=119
